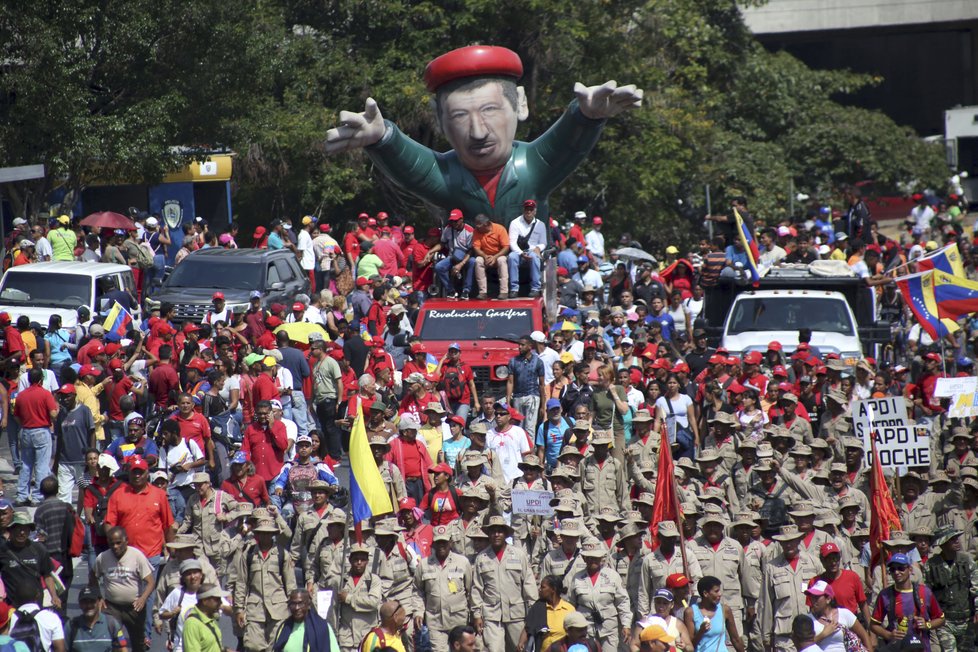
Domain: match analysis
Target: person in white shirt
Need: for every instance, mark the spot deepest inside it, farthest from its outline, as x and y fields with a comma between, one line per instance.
x=509, y=442
x=771, y=253
x=921, y=214
x=585, y=275
x=546, y=354
x=527, y=240
x=291, y=428
x=48, y=623
x=219, y=312
x=181, y=458
x=307, y=260
x=595, y=240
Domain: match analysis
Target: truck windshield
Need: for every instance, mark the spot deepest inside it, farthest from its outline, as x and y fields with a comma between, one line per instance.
x=476, y=324
x=790, y=313
x=31, y=288
x=215, y=273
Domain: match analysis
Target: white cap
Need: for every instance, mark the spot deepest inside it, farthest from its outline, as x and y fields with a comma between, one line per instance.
x=19, y=220
x=538, y=336
x=26, y=243
x=152, y=221
x=784, y=231
x=580, y=215
x=108, y=462
x=824, y=250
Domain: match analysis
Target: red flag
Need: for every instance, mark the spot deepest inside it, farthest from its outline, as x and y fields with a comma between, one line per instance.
x=883, y=512
x=666, y=504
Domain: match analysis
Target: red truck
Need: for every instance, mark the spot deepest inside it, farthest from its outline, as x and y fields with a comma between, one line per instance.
x=487, y=331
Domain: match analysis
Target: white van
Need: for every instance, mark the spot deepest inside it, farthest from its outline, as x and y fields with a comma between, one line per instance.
x=759, y=317
x=60, y=287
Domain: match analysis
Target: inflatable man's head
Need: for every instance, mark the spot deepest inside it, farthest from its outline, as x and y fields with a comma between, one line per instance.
x=478, y=103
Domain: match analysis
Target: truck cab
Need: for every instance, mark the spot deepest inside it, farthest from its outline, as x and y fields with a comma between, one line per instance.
x=839, y=308
x=486, y=331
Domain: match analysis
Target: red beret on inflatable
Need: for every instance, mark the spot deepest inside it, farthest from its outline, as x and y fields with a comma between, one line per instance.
x=472, y=61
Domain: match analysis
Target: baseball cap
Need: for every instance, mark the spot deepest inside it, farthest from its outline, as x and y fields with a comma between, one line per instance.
x=899, y=559
x=455, y=215
x=529, y=203
x=819, y=589
x=219, y=295
x=663, y=594
x=597, y=221
x=136, y=463
x=677, y=581
x=827, y=549
x=91, y=593
x=67, y=388
x=656, y=633
x=553, y=403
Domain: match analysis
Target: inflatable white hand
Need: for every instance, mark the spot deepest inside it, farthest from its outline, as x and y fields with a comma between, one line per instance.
x=608, y=99
x=356, y=130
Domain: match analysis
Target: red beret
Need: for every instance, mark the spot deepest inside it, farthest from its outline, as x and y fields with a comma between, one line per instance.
x=472, y=61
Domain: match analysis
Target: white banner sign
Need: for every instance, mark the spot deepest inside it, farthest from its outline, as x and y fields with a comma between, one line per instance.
x=532, y=502
x=947, y=387
x=898, y=443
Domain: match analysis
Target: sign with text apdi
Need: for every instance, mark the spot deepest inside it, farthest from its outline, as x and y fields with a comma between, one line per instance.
x=899, y=443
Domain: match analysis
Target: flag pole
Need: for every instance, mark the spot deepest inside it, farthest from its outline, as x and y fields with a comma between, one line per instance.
x=679, y=524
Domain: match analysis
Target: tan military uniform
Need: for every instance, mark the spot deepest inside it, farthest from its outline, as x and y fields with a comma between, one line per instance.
x=556, y=562
x=656, y=568
x=358, y=614
x=323, y=562
x=801, y=429
x=742, y=479
x=309, y=525
x=393, y=480
x=629, y=569
x=444, y=590
x=262, y=593
x=603, y=485
x=604, y=603
x=782, y=598
x=396, y=572
x=502, y=590
x=754, y=558
x=206, y=522
x=728, y=564
x=169, y=579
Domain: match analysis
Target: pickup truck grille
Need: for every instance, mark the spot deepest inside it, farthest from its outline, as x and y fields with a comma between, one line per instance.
x=190, y=311
x=482, y=376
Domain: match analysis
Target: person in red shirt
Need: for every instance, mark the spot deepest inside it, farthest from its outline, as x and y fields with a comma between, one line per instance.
x=245, y=487
x=456, y=380
x=35, y=410
x=417, y=534
x=411, y=457
x=442, y=501
x=846, y=585
x=143, y=510
x=94, y=347
x=416, y=397
x=265, y=442
x=418, y=363
x=119, y=386
x=194, y=426
x=422, y=275
x=264, y=388
x=163, y=380
x=12, y=349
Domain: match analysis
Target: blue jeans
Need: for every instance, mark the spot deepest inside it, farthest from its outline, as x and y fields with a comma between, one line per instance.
x=178, y=504
x=13, y=436
x=444, y=266
x=35, y=453
x=516, y=260
x=300, y=411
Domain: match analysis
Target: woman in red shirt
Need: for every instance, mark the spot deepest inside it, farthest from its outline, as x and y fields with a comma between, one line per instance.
x=194, y=426
x=244, y=485
x=441, y=503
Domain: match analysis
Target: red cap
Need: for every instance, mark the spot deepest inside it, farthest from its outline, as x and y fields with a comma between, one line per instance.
x=408, y=229
x=754, y=357
x=87, y=370
x=774, y=346
x=115, y=363
x=722, y=350
x=298, y=306
x=779, y=371
x=472, y=61
x=677, y=581
x=199, y=364
x=382, y=215
x=442, y=468
x=406, y=503
x=821, y=371
x=515, y=415
x=562, y=271
x=716, y=358
x=590, y=344
x=916, y=196
x=363, y=216
x=190, y=327
x=137, y=463
x=828, y=549
x=273, y=322
x=799, y=355
x=871, y=361
x=336, y=354
x=933, y=356
x=812, y=361
x=455, y=215
x=325, y=228
x=529, y=203
x=371, y=221
x=67, y=388
x=736, y=388
x=786, y=387
x=363, y=280
x=803, y=346
x=112, y=348
x=681, y=367
x=217, y=295
x=597, y=221
x=418, y=347
x=661, y=363
x=733, y=360
x=457, y=419
x=4, y=318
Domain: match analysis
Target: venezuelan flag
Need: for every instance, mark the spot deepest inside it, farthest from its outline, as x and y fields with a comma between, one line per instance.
x=946, y=259
x=431, y=363
x=368, y=494
x=938, y=300
x=750, y=247
x=364, y=333
x=117, y=322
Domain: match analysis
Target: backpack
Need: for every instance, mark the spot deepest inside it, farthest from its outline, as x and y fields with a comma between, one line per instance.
x=27, y=631
x=774, y=509
x=102, y=507
x=75, y=533
x=453, y=384
x=143, y=255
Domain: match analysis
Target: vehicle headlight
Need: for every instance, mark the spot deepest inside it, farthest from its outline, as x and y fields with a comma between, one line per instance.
x=502, y=372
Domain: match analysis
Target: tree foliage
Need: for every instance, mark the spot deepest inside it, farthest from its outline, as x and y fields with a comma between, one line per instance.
x=101, y=89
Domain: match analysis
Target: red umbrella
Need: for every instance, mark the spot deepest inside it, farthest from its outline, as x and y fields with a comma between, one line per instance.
x=108, y=220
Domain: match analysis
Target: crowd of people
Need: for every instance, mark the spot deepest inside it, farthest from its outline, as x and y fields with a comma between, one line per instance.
x=199, y=468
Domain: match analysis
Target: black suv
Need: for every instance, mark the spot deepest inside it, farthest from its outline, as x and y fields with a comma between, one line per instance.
x=235, y=272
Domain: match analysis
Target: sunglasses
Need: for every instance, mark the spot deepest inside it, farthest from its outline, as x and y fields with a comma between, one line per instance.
x=898, y=567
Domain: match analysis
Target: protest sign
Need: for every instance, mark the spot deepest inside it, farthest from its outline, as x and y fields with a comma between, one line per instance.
x=948, y=387
x=533, y=502
x=899, y=443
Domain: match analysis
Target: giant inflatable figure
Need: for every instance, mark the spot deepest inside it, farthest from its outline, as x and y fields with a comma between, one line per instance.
x=478, y=106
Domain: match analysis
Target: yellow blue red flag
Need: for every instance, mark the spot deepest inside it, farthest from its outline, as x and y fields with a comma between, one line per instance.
x=117, y=322
x=938, y=300
x=368, y=493
x=750, y=248
x=946, y=259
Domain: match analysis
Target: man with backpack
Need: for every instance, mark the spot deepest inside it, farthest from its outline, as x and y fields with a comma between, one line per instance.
x=904, y=608
x=266, y=578
x=953, y=577
x=36, y=627
x=94, y=630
